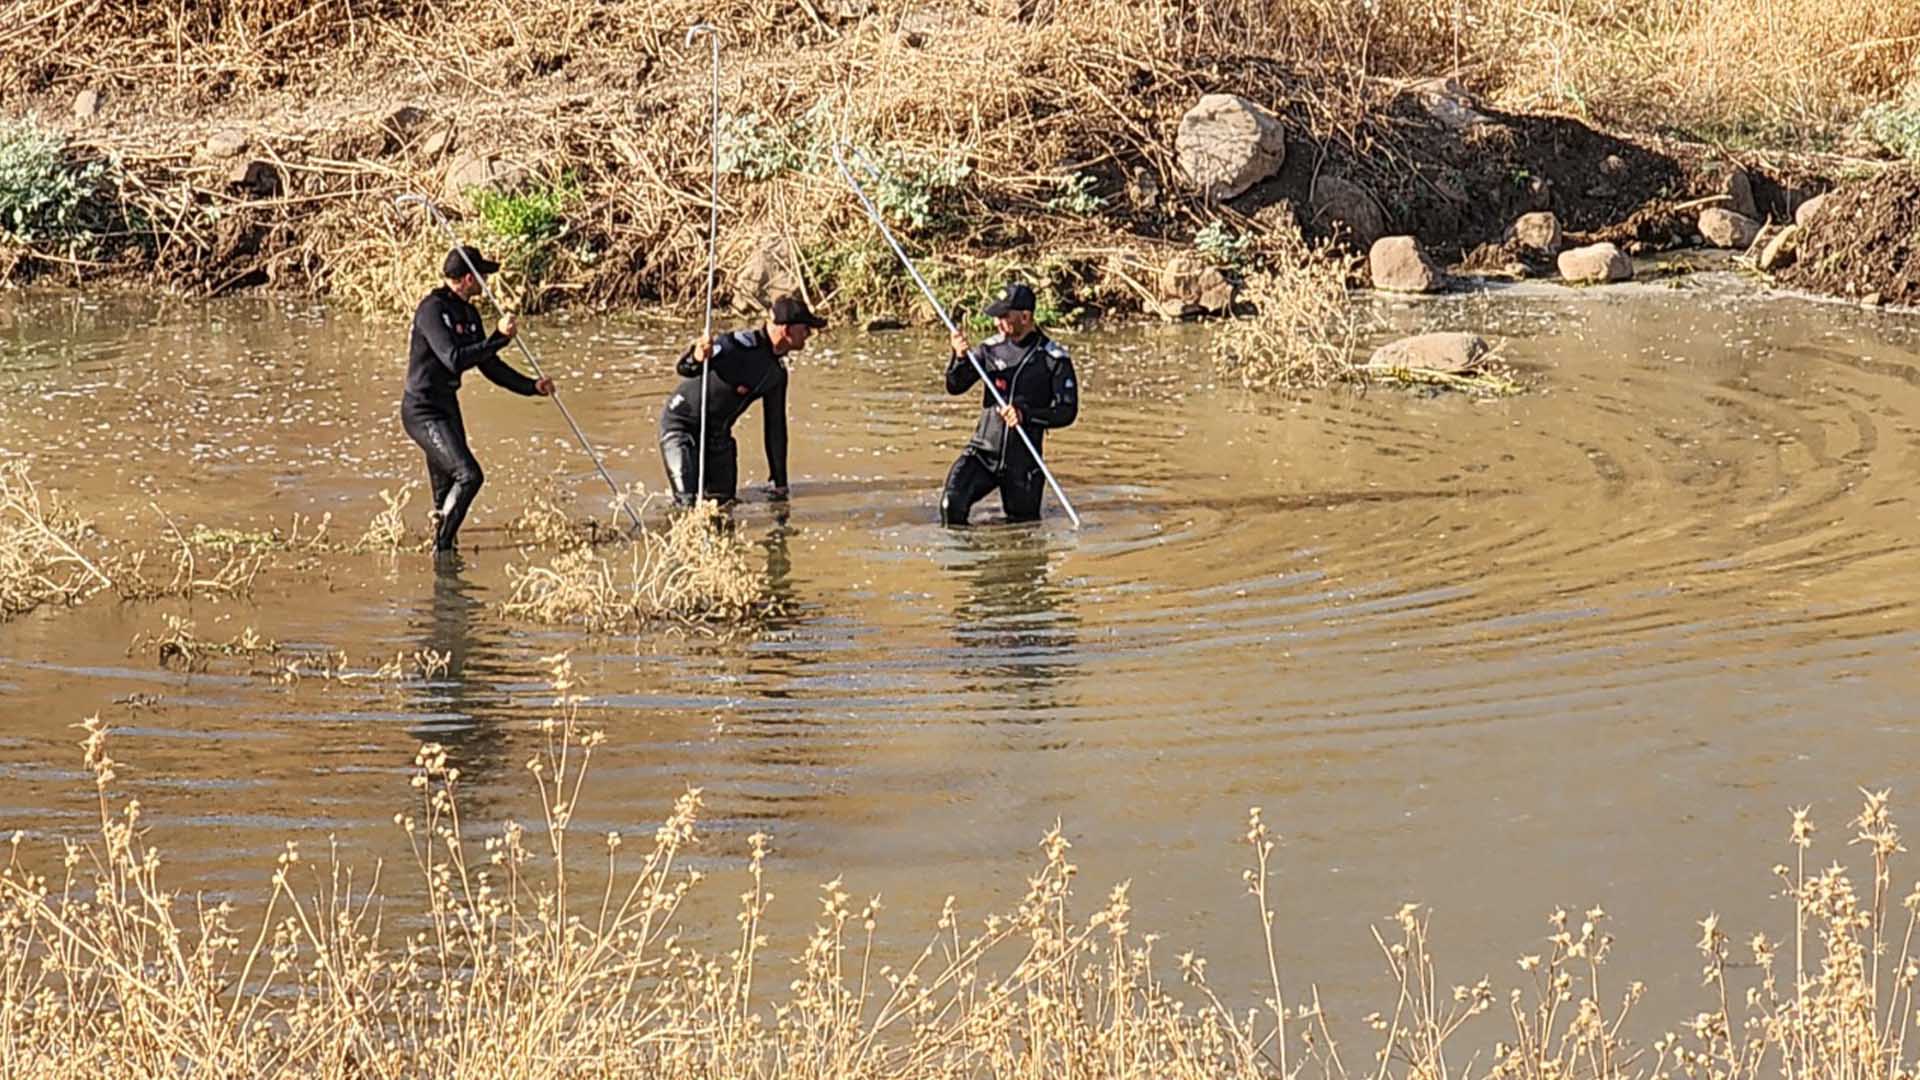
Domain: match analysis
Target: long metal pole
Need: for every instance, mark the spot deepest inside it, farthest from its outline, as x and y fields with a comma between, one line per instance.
x=839, y=159
x=520, y=340
x=713, y=242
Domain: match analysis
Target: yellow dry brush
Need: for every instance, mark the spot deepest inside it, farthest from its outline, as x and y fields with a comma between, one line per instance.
x=540, y=951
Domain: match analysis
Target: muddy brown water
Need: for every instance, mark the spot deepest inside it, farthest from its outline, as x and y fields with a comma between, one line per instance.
x=1583, y=646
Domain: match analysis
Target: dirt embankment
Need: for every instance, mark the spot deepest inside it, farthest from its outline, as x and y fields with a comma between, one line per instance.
x=1052, y=147
x=1863, y=242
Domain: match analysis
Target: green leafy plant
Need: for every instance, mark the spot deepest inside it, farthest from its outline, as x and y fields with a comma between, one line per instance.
x=529, y=216
x=1895, y=124
x=1222, y=246
x=47, y=202
x=757, y=149
x=910, y=182
x=1076, y=195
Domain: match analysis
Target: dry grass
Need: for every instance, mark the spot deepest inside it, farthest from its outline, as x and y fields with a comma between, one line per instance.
x=332, y=666
x=537, y=952
x=1305, y=328
x=696, y=573
x=41, y=561
x=387, y=530
x=181, y=649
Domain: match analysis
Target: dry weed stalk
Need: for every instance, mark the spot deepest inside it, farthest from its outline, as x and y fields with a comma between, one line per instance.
x=1305, y=327
x=331, y=666
x=388, y=529
x=698, y=571
x=540, y=952
x=181, y=649
x=40, y=557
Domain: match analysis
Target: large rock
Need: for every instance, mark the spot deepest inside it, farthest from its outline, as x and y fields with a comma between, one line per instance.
x=86, y=104
x=1397, y=264
x=1595, y=264
x=1780, y=252
x=1804, y=215
x=1343, y=203
x=1188, y=286
x=765, y=276
x=1227, y=144
x=1537, y=233
x=1726, y=229
x=1737, y=188
x=1449, y=353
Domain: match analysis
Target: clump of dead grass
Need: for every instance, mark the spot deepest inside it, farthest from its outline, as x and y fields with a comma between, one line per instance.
x=41, y=541
x=537, y=951
x=1305, y=327
x=333, y=666
x=698, y=572
x=180, y=648
x=387, y=530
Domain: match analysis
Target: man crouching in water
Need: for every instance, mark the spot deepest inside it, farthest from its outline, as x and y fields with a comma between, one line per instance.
x=1035, y=376
x=732, y=371
x=448, y=339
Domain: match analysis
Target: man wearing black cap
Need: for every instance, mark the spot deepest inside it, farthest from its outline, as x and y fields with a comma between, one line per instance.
x=732, y=372
x=1035, y=376
x=447, y=340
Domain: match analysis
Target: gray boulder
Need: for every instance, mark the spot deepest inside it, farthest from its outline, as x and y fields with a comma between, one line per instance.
x=1595, y=264
x=1453, y=354
x=1227, y=144
x=1397, y=264
x=1726, y=229
x=1339, y=202
x=1805, y=213
x=1538, y=233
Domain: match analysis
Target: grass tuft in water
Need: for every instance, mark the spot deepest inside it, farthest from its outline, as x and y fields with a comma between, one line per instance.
x=41, y=561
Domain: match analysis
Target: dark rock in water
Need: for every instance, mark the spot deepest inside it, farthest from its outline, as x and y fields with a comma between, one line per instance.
x=881, y=326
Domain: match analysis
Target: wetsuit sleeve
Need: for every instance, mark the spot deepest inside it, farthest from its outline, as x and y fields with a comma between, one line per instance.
x=1065, y=407
x=502, y=374
x=961, y=374
x=688, y=367
x=439, y=337
x=774, y=415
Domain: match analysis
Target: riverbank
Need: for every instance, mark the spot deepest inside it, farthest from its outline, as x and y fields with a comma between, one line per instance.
x=1130, y=160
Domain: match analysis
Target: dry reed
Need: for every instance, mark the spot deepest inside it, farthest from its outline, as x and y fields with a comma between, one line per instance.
x=41, y=561
x=181, y=649
x=537, y=951
x=698, y=572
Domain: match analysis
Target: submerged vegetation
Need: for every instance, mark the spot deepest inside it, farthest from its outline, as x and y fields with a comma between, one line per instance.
x=534, y=950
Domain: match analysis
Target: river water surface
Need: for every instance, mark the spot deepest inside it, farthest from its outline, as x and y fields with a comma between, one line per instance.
x=1583, y=646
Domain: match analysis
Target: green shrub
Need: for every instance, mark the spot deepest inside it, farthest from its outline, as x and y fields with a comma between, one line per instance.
x=1895, y=125
x=47, y=202
x=1223, y=247
x=1076, y=195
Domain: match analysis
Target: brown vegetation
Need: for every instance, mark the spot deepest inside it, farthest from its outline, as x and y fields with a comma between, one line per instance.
x=527, y=954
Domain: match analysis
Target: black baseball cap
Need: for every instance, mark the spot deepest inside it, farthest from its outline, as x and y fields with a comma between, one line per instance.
x=1015, y=297
x=460, y=257
x=792, y=311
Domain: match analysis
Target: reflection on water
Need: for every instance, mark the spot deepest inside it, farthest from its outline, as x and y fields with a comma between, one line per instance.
x=1576, y=647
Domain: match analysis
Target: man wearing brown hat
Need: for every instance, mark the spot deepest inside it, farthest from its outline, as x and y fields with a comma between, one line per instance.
x=1034, y=375
x=723, y=377
x=447, y=341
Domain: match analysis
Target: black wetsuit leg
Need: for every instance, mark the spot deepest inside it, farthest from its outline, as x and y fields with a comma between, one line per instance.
x=1020, y=490
x=679, y=450
x=451, y=468
x=968, y=482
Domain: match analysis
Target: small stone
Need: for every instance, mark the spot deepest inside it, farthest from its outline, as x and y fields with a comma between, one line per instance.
x=478, y=169
x=1447, y=102
x=1781, y=250
x=1397, y=264
x=1873, y=299
x=225, y=144
x=1613, y=165
x=1536, y=232
x=1804, y=215
x=1595, y=264
x=1188, y=287
x=86, y=104
x=1726, y=229
x=1227, y=144
x=258, y=177
x=1453, y=354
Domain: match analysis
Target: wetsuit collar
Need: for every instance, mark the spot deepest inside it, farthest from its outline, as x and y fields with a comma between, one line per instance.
x=1029, y=341
x=761, y=336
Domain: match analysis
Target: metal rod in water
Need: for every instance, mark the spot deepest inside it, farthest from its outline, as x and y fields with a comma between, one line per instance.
x=839, y=159
x=713, y=241
x=520, y=340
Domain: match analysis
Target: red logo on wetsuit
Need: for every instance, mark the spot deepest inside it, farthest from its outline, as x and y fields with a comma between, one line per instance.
x=743, y=391
x=1000, y=383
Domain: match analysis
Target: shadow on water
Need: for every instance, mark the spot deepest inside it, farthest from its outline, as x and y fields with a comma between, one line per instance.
x=1015, y=627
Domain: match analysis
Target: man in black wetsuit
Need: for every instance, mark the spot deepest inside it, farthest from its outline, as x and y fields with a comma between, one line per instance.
x=1035, y=376
x=448, y=340
x=738, y=369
